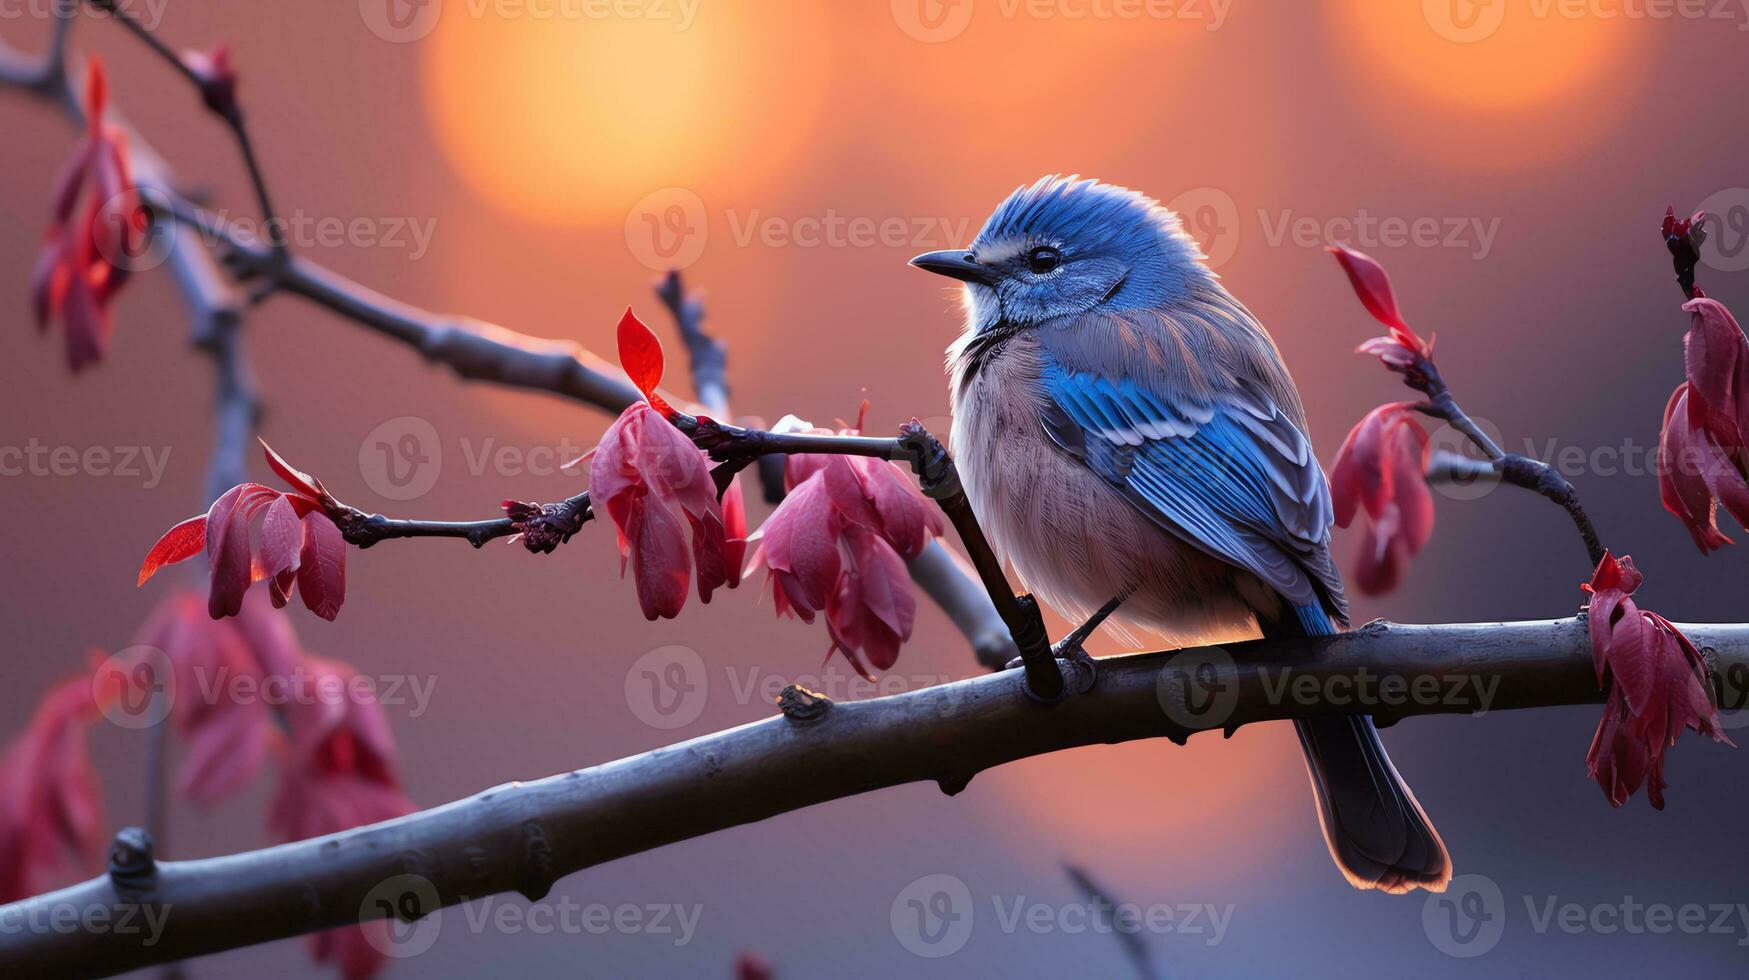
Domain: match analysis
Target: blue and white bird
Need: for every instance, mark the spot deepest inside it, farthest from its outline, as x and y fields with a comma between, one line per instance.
x=1129, y=437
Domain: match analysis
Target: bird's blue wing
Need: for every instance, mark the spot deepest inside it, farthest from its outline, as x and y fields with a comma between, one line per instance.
x=1232, y=475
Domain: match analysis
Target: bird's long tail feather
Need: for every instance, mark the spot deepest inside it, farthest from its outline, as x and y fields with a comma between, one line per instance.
x=1376, y=830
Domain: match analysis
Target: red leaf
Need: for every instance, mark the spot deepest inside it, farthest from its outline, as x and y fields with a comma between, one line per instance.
x=85, y=321
x=225, y=751
x=282, y=538
x=300, y=481
x=1715, y=353
x=1373, y=286
x=50, y=808
x=71, y=180
x=907, y=519
x=640, y=355
x=734, y=531
x=659, y=558
x=48, y=283
x=96, y=96
x=322, y=566
x=227, y=545
x=800, y=546
x=178, y=544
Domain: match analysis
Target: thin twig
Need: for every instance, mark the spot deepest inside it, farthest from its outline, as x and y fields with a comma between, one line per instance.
x=707, y=356
x=543, y=526
x=231, y=113
x=1134, y=947
x=1512, y=468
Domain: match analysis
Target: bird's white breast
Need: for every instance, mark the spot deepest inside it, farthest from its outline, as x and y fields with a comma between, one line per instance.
x=1075, y=540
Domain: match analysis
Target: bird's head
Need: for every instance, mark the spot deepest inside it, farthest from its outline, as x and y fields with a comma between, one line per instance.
x=1065, y=246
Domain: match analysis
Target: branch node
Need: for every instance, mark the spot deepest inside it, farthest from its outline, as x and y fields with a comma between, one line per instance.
x=1378, y=627
x=953, y=785
x=133, y=868
x=803, y=706
x=936, y=474
x=535, y=878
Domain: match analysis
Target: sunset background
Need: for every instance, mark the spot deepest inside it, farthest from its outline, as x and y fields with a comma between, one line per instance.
x=559, y=159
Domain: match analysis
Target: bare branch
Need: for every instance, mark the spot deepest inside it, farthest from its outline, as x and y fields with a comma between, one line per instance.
x=1512, y=468
x=707, y=356
x=524, y=836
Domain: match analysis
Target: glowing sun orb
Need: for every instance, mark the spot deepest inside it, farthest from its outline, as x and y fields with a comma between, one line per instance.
x=559, y=113
x=1486, y=54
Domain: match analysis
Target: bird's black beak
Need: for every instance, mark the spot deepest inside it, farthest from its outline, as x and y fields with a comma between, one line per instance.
x=955, y=263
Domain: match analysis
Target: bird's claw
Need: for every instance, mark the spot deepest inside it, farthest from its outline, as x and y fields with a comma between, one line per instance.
x=1082, y=671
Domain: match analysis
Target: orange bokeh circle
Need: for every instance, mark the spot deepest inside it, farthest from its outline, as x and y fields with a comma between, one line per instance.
x=569, y=117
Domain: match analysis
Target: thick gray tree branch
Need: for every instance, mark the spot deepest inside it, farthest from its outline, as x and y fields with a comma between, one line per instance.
x=523, y=837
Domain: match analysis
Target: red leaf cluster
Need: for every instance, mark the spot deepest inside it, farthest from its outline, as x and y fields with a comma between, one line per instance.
x=298, y=547
x=1659, y=687
x=655, y=485
x=226, y=739
x=50, y=810
x=1382, y=467
x=335, y=752
x=1701, y=452
x=338, y=772
x=839, y=542
x=83, y=262
x=1401, y=350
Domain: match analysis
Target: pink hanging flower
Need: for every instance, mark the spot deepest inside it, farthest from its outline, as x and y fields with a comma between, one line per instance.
x=839, y=542
x=1381, y=468
x=1658, y=687
x=1702, y=457
x=50, y=809
x=338, y=774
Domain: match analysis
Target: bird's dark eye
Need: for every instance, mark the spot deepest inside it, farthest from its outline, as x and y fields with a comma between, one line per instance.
x=1043, y=259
